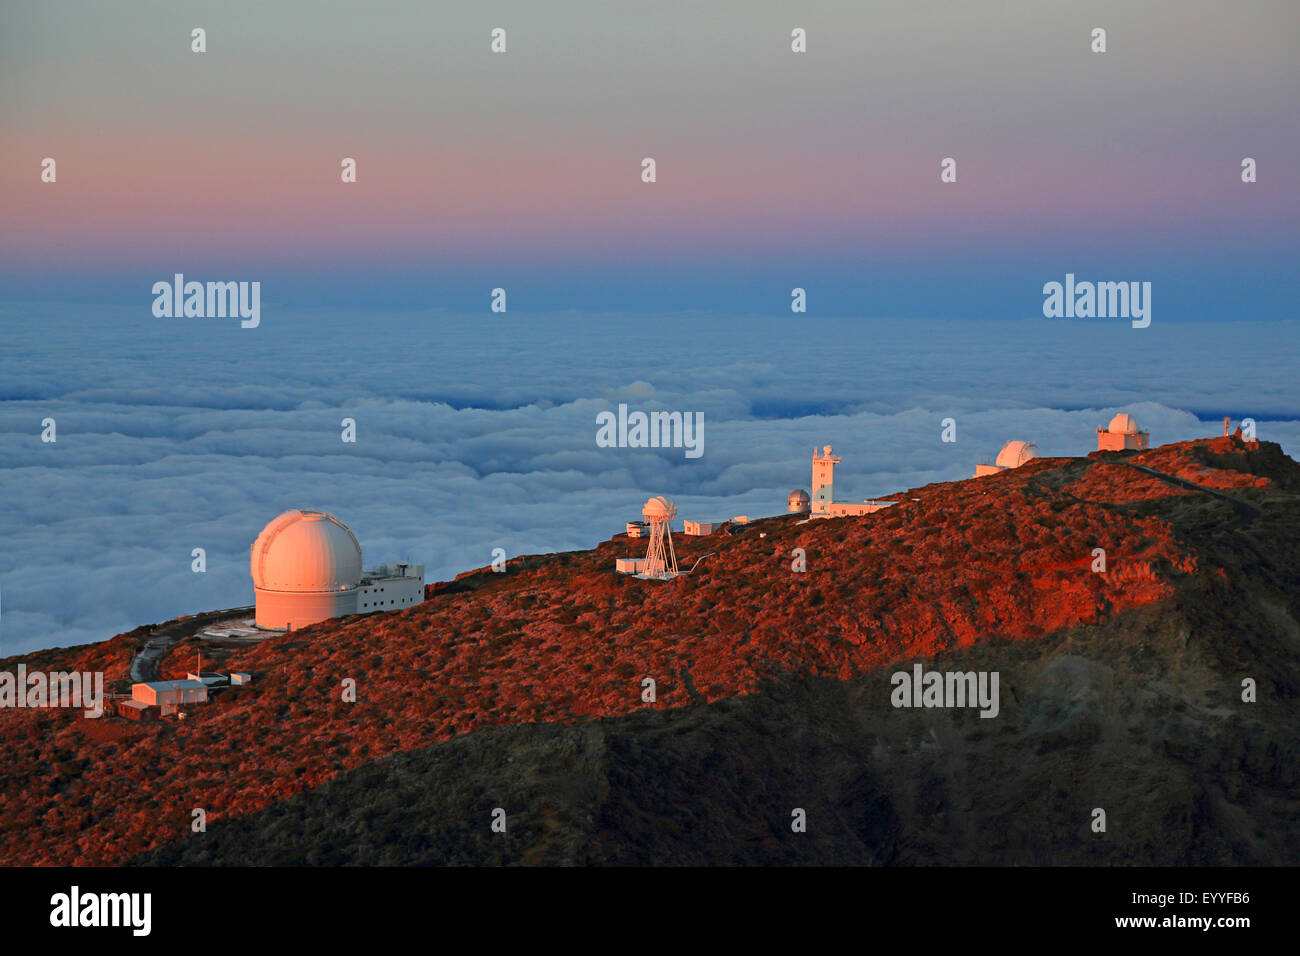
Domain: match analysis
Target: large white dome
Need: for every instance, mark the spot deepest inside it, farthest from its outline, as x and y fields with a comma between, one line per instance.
x=306, y=551
x=1123, y=424
x=1015, y=453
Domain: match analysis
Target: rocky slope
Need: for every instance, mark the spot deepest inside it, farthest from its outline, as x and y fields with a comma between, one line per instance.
x=1119, y=690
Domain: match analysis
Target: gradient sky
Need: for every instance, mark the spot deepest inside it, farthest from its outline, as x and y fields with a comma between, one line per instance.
x=775, y=170
x=522, y=170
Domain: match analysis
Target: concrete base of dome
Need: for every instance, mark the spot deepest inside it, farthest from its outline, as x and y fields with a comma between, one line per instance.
x=290, y=610
x=1118, y=441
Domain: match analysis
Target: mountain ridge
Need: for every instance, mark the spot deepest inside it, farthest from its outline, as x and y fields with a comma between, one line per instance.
x=560, y=641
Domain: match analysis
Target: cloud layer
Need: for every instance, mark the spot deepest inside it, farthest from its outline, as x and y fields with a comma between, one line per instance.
x=477, y=432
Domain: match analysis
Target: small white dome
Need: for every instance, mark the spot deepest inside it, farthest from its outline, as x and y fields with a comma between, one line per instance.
x=798, y=500
x=659, y=507
x=306, y=551
x=1015, y=453
x=1123, y=424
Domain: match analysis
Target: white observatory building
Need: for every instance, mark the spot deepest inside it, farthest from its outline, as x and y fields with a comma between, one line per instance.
x=660, y=560
x=306, y=567
x=1013, y=455
x=1122, y=433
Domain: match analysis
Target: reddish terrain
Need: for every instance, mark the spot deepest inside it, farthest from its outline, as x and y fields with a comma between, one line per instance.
x=560, y=637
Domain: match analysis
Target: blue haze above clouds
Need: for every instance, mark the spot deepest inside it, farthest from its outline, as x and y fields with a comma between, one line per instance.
x=477, y=432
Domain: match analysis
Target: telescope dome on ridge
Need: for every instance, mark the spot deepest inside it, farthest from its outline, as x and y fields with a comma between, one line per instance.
x=659, y=508
x=1015, y=453
x=1122, y=434
x=306, y=551
x=1123, y=424
x=306, y=568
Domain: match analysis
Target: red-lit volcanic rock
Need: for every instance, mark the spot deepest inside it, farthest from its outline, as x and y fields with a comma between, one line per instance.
x=561, y=637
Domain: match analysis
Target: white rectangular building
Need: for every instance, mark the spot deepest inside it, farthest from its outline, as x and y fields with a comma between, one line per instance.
x=390, y=587
x=169, y=695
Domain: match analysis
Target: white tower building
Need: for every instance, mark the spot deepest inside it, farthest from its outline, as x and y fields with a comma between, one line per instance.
x=823, y=479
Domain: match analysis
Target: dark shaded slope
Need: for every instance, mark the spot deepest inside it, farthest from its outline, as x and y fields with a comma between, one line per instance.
x=1140, y=716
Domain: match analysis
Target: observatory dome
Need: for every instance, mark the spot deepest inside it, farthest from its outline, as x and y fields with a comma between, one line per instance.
x=660, y=508
x=1123, y=424
x=306, y=551
x=798, y=500
x=1015, y=453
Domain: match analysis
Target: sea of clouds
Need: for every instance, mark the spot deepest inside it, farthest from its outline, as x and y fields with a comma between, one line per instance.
x=476, y=432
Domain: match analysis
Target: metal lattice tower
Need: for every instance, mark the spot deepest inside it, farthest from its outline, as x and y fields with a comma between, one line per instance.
x=660, y=560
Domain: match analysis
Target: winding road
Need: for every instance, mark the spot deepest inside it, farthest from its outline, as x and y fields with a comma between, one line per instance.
x=144, y=666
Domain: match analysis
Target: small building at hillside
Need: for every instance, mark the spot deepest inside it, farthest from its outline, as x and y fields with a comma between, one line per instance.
x=637, y=529
x=136, y=710
x=629, y=565
x=699, y=527
x=1122, y=434
x=169, y=695
x=208, y=679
